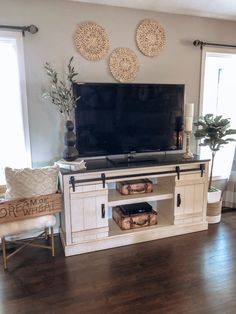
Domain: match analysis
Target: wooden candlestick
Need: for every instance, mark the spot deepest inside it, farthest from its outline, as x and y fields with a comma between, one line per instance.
x=188, y=154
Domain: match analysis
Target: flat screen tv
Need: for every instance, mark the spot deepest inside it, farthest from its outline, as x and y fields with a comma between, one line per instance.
x=115, y=119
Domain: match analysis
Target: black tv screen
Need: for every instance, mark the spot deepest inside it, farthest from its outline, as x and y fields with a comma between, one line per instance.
x=114, y=119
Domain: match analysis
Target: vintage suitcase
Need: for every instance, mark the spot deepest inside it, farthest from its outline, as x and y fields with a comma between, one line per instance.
x=127, y=222
x=134, y=186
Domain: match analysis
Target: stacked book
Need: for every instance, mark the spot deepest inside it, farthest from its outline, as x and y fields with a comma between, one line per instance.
x=75, y=165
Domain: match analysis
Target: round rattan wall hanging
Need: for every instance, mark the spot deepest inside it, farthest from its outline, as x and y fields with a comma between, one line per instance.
x=91, y=41
x=124, y=64
x=150, y=37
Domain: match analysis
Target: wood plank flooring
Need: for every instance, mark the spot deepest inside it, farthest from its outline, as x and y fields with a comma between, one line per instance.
x=194, y=273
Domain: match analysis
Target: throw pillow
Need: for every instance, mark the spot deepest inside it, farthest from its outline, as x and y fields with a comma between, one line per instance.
x=28, y=182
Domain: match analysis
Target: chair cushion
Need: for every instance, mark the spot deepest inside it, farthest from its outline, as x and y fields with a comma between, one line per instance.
x=14, y=228
x=28, y=182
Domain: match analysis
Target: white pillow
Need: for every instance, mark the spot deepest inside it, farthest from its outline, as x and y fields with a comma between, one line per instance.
x=28, y=182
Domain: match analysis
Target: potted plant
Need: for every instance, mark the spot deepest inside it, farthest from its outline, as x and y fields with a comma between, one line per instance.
x=61, y=94
x=215, y=132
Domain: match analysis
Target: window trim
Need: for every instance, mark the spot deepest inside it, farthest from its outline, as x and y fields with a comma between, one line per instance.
x=24, y=106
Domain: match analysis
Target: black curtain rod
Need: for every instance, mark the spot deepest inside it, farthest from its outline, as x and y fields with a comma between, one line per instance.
x=31, y=28
x=199, y=43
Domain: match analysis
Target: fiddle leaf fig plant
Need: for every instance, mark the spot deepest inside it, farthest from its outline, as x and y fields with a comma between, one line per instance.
x=215, y=132
x=61, y=92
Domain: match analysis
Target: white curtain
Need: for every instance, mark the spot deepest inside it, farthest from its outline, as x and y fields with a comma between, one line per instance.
x=229, y=195
x=14, y=136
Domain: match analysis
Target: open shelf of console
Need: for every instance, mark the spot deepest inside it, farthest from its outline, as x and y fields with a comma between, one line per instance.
x=115, y=198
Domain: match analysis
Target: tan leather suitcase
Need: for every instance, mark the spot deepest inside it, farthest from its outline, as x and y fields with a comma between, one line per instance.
x=134, y=186
x=127, y=222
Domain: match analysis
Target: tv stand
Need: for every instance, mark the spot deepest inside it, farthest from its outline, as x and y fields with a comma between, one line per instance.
x=179, y=196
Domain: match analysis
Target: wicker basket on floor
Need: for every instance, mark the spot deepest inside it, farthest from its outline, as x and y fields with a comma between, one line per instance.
x=214, y=212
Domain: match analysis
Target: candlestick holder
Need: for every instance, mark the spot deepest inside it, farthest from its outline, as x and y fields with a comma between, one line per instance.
x=188, y=154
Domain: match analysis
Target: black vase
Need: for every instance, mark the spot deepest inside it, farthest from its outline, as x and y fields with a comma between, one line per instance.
x=70, y=153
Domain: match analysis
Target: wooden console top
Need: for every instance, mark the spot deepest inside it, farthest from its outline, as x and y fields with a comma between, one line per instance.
x=104, y=164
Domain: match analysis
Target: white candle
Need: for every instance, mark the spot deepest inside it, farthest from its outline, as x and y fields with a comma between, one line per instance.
x=188, y=124
x=189, y=110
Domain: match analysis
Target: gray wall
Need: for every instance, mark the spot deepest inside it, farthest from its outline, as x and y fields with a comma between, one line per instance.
x=57, y=20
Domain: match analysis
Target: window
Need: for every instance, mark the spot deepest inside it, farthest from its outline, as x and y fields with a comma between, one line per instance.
x=14, y=133
x=218, y=96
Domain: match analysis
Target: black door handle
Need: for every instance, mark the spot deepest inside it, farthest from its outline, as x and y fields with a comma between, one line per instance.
x=103, y=213
x=178, y=200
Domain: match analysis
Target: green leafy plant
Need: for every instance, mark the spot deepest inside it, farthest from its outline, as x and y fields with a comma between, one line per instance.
x=215, y=132
x=61, y=92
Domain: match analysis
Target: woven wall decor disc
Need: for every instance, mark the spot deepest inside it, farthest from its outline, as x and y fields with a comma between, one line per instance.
x=150, y=37
x=91, y=41
x=124, y=64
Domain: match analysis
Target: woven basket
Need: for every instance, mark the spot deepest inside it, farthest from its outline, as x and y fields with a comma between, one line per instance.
x=214, y=212
x=214, y=209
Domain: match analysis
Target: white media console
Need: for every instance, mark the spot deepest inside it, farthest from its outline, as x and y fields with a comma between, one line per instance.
x=179, y=197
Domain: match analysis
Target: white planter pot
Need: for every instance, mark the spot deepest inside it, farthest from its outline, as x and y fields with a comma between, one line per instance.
x=214, y=197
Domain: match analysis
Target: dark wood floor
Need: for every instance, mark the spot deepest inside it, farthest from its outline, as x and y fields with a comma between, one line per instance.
x=195, y=273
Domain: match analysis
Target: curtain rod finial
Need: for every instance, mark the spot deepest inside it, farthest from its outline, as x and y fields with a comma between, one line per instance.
x=31, y=29
x=198, y=43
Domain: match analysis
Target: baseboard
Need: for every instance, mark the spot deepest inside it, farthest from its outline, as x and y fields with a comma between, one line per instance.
x=228, y=209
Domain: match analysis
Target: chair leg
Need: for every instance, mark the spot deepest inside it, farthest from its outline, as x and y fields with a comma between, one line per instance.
x=4, y=254
x=46, y=233
x=27, y=243
x=52, y=242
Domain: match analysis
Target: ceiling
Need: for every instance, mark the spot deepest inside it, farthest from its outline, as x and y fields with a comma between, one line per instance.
x=222, y=9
